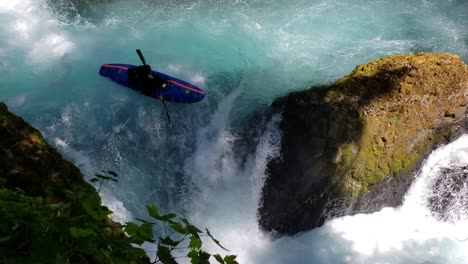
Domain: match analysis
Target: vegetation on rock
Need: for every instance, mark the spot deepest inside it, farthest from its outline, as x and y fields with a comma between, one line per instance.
x=49, y=214
x=376, y=123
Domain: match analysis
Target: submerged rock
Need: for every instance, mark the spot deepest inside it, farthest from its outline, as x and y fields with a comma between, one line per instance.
x=350, y=146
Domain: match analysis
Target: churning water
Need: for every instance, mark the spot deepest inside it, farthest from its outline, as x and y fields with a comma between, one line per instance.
x=208, y=164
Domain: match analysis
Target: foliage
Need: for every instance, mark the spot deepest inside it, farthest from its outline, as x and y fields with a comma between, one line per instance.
x=101, y=178
x=33, y=230
x=166, y=246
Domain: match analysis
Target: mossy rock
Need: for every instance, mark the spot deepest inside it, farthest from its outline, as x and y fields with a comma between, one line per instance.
x=382, y=120
x=29, y=164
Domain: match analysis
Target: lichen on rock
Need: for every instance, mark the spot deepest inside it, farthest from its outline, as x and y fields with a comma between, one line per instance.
x=374, y=125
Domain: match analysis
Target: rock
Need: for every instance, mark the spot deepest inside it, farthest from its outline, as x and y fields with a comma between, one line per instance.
x=28, y=163
x=451, y=113
x=3, y=108
x=376, y=125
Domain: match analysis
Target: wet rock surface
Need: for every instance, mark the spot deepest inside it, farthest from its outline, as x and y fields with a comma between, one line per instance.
x=352, y=146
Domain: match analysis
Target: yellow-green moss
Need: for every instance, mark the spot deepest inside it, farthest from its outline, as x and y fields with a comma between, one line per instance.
x=397, y=129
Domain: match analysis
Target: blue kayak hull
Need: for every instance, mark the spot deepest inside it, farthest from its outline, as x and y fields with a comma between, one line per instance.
x=177, y=91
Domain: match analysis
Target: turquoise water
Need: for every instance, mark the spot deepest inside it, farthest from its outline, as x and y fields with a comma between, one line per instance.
x=208, y=164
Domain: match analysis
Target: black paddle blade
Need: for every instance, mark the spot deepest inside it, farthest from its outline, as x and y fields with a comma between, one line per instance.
x=141, y=56
x=167, y=111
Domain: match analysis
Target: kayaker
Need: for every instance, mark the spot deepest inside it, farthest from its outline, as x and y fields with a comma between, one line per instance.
x=142, y=78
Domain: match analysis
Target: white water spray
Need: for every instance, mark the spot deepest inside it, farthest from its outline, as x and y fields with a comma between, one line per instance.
x=244, y=54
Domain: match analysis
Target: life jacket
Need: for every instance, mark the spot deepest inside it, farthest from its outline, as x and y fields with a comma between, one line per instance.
x=138, y=79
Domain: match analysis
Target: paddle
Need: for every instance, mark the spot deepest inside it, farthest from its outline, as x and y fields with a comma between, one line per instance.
x=141, y=56
x=162, y=100
x=167, y=111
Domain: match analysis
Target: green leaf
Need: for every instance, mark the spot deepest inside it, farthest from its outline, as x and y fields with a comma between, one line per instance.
x=219, y=258
x=199, y=257
x=195, y=243
x=4, y=238
x=138, y=234
x=94, y=180
x=179, y=228
x=106, y=178
x=164, y=254
x=191, y=228
x=168, y=241
x=113, y=173
x=204, y=257
x=81, y=232
x=216, y=241
x=92, y=206
x=168, y=217
x=231, y=259
x=194, y=258
x=186, y=222
x=153, y=211
x=194, y=231
x=145, y=231
x=131, y=228
x=136, y=240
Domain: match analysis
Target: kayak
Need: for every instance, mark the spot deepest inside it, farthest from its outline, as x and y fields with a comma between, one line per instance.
x=177, y=90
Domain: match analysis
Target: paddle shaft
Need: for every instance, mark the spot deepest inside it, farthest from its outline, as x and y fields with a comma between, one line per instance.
x=141, y=56
x=167, y=111
x=162, y=100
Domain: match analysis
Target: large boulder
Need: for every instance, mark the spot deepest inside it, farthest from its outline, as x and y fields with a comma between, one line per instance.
x=350, y=146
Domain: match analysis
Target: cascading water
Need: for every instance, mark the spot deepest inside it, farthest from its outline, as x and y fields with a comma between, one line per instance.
x=208, y=164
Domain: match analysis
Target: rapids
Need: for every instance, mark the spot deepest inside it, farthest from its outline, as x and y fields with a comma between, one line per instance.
x=209, y=163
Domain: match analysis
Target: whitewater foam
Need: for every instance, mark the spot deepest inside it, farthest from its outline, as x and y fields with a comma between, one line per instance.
x=244, y=54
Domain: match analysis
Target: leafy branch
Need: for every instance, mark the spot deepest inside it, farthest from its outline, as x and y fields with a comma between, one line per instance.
x=101, y=178
x=139, y=234
x=166, y=245
x=77, y=229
